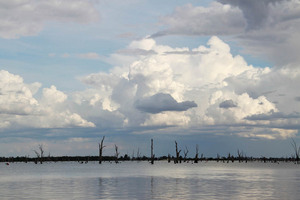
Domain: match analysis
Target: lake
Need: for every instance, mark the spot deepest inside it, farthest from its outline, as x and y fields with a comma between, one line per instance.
x=141, y=180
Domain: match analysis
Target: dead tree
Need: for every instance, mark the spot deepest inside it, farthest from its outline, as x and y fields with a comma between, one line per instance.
x=37, y=156
x=169, y=158
x=40, y=154
x=228, y=157
x=152, y=155
x=197, y=153
x=240, y=155
x=117, y=153
x=138, y=154
x=177, y=153
x=101, y=150
x=185, y=152
x=132, y=156
x=296, y=150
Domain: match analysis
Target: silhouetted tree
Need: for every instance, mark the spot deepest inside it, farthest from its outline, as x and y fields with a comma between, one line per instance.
x=132, y=156
x=152, y=155
x=101, y=150
x=185, y=152
x=169, y=158
x=117, y=153
x=202, y=157
x=40, y=154
x=177, y=153
x=218, y=157
x=197, y=153
x=228, y=157
x=138, y=154
x=240, y=155
x=296, y=150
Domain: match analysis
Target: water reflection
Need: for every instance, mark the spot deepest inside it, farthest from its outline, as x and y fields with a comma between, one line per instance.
x=193, y=188
x=143, y=181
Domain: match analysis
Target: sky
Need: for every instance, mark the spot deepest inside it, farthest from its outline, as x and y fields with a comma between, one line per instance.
x=221, y=74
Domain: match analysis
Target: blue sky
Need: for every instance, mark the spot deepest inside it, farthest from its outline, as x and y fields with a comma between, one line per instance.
x=222, y=74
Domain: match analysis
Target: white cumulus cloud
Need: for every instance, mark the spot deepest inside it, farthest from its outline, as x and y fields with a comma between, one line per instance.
x=20, y=108
x=177, y=79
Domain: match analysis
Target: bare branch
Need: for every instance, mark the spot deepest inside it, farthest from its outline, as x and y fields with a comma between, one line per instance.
x=101, y=149
x=185, y=152
x=117, y=153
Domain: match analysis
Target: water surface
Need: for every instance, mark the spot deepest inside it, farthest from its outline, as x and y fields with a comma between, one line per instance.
x=141, y=180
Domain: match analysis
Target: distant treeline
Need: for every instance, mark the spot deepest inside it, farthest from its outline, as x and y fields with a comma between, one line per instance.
x=178, y=158
x=86, y=159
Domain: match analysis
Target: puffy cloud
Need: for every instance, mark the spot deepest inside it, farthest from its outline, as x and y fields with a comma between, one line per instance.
x=267, y=29
x=213, y=90
x=245, y=106
x=167, y=119
x=218, y=19
x=162, y=102
x=177, y=79
x=27, y=17
x=272, y=29
x=19, y=107
x=52, y=95
x=16, y=97
x=255, y=12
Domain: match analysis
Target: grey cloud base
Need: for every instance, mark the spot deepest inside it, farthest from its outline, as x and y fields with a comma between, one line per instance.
x=162, y=102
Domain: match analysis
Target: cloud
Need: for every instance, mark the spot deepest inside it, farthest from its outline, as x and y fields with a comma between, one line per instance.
x=272, y=29
x=27, y=17
x=162, y=102
x=266, y=29
x=135, y=52
x=274, y=116
x=218, y=19
x=52, y=95
x=90, y=55
x=162, y=82
x=255, y=12
x=16, y=98
x=270, y=134
x=19, y=107
x=297, y=98
x=227, y=104
x=200, y=90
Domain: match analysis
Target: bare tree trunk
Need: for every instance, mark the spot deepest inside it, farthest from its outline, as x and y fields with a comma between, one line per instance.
x=37, y=156
x=218, y=157
x=152, y=155
x=228, y=157
x=101, y=150
x=296, y=150
x=138, y=154
x=177, y=153
x=240, y=155
x=197, y=153
x=42, y=153
x=117, y=154
x=185, y=152
x=132, y=156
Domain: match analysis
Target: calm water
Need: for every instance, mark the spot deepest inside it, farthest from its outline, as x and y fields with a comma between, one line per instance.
x=140, y=180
